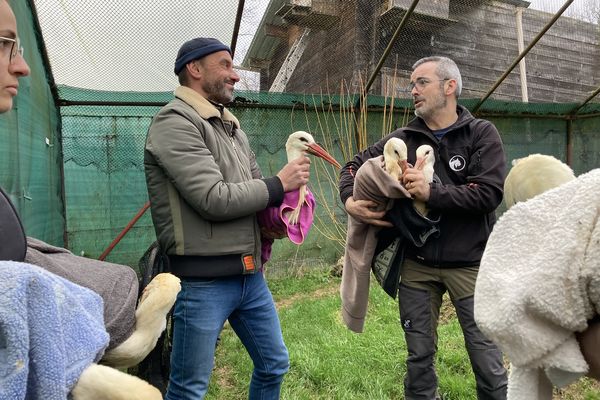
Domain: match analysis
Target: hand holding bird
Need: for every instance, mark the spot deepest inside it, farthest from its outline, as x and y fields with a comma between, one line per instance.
x=395, y=157
x=298, y=144
x=294, y=216
x=415, y=179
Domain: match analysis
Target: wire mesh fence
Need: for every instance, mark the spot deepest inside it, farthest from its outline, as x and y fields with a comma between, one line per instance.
x=338, y=69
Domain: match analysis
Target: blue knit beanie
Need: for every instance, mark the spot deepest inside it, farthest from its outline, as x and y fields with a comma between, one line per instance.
x=195, y=49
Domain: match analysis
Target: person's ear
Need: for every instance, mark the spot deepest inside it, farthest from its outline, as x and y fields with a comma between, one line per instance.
x=450, y=87
x=194, y=69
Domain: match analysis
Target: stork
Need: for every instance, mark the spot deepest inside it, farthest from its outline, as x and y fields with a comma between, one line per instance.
x=395, y=157
x=297, y=145
x=294, y=216
x=424, y=162
x=532, y=175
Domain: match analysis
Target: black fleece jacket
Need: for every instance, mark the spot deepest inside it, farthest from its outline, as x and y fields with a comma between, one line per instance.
x=470, y=161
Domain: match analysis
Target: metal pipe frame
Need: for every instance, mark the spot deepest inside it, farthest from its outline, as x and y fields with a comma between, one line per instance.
x=388, y=49
x=580, y=106
x=236, y=26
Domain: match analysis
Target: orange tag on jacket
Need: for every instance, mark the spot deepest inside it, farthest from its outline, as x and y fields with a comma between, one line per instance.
x=248, y=263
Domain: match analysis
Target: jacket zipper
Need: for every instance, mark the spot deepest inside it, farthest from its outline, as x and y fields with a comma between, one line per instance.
x=235, y=150
x=257, y=242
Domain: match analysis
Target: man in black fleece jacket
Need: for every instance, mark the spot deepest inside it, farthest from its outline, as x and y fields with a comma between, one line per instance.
x=470, y=162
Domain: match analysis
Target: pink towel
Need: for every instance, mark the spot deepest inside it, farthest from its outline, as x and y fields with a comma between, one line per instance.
x=276, y=219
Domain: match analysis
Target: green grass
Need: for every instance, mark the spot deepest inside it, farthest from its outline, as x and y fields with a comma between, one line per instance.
x=330, y=362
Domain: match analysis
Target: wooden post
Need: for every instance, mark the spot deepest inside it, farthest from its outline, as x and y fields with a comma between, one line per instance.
x=522, y=67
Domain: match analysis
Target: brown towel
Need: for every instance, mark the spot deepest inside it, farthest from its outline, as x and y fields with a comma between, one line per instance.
x=116, y=284
x=372, y=182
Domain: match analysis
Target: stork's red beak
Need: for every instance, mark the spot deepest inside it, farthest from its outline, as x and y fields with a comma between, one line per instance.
x=320, y=152
x=403, y=165
x=420, y=162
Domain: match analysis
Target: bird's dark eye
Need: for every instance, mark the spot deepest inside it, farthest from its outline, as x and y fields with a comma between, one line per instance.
x=303, y=139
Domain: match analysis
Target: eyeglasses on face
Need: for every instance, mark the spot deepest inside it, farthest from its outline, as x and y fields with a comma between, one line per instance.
x=12, y=46
x=420, y=83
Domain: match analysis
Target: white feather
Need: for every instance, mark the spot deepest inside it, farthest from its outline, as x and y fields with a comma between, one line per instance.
x=296, y=144
x=425, y=152
x=394, y=152
x=533, y=175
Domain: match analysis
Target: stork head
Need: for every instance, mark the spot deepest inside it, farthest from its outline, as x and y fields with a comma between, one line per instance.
x=301, y=142
x=425, y=156
x=395, y=152
x=533, y=175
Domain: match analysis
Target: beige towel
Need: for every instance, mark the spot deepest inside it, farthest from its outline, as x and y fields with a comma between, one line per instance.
x=371, y=183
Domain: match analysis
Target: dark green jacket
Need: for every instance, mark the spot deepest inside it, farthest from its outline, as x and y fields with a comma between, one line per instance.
x=205, y=187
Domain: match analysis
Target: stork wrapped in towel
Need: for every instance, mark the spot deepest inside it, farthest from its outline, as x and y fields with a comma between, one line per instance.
x=52, y=334
x=539, y=283
x=294, y=216
x=51, y=330
x=380, y=179
x=372, y=182
x=82, y=285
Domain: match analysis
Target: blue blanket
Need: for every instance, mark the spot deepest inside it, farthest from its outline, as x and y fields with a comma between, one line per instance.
x=50, y=331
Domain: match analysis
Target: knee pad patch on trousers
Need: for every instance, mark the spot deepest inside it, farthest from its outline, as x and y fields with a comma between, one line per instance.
x=415, y=310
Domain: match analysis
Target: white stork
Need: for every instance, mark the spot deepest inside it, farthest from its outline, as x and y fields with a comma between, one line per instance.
x=533, y=175
x=395, y=157
x=298, y=144
x=424, y=162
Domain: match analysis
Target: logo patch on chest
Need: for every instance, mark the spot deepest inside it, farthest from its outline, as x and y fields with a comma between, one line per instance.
x=457, y=163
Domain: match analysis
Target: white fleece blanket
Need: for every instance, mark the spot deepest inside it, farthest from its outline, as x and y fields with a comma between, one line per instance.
x=539, y=282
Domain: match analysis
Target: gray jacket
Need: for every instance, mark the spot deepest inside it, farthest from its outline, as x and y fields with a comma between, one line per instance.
x=205, y=188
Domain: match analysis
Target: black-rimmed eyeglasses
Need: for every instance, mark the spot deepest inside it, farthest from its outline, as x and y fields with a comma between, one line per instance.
x=14, y=45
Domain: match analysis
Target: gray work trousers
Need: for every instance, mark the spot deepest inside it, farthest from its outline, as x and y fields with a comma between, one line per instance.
x=420, y=297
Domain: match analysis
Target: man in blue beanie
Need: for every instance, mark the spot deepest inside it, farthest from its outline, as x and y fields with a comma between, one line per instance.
x=205, y=189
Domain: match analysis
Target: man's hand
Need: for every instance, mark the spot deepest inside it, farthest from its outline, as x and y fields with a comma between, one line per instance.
x=272, y=233
x=365, y=211
x=414, y=182
x=295, y=174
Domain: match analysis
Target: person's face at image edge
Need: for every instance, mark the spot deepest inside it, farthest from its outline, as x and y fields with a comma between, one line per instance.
x=10, y=70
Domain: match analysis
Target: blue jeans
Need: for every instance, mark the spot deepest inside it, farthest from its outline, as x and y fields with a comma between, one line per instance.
x=201, y=309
